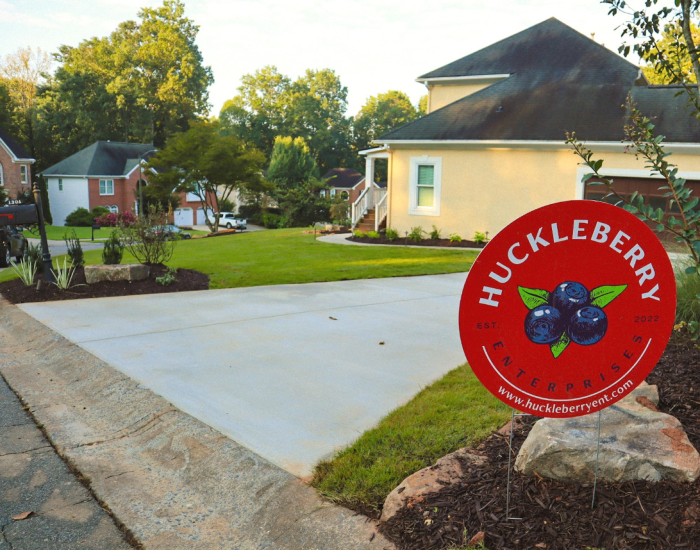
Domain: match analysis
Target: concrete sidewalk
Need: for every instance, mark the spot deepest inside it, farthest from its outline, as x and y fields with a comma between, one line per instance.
x=293, y=372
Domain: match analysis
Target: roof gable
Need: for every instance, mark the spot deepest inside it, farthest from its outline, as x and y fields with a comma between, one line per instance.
x=345, y=178
x=15, y=148
x=102, y=158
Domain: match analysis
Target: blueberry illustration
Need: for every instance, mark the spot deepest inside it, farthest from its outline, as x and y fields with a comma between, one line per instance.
x=544, y=324
x=569, y=297
x=588, y=325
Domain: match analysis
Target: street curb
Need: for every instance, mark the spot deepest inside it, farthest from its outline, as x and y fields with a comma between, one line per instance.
x=171, y=480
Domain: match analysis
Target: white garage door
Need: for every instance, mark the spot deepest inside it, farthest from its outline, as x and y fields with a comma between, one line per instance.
x=202, y=215
x=183, y=216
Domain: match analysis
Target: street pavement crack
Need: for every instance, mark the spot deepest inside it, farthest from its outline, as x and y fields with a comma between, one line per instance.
x=27, y=451
x=147, y=426
x=82, y=501
x=4, y=537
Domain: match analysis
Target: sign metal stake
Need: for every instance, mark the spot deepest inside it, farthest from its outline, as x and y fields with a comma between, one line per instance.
x=597, y=457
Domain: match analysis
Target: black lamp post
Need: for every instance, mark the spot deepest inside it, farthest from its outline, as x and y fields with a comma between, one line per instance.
x=140, y=180
x=48, y=271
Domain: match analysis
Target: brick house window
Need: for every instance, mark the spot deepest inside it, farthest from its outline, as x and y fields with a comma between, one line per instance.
x=2, y=176
x=24, y=173
x=106, y=187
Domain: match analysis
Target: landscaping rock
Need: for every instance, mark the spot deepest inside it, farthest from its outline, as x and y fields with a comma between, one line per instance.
x=636, y=442
x=126, y=272
x=447, y=470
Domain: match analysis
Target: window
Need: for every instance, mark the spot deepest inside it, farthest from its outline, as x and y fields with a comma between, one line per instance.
x=344, y=195
x=2, y=176
x=323, y=193
x=114, y=209
x=333, y=193
x=60, y=184
x=24, y=173
x=425, y=186
x=106, y=187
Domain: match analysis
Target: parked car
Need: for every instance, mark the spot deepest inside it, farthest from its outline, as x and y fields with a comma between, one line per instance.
x=172, y=232
x=230, y=221
x=12, y=245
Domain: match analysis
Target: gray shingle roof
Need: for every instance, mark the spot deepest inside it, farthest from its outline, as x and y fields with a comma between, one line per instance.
x=343, y=178
x=102, y=158
x=560, y=81
x=17, y=150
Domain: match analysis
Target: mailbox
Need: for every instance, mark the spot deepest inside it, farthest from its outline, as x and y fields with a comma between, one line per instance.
x=18, y=215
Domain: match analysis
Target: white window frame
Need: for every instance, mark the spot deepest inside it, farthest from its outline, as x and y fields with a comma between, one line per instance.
x=100, y=185
x=24, y=174
x=413, y=207
x=333, y=193
x=2, y=176
x=60, y=184
x=114, y=209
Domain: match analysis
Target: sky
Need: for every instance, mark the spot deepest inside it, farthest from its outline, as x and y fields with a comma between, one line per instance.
x=374, y=46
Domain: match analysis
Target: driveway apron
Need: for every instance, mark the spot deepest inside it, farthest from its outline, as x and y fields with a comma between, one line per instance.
x=293, y=372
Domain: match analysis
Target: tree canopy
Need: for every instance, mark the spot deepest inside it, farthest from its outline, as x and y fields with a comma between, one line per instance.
x=381, y=114
x=672, y=45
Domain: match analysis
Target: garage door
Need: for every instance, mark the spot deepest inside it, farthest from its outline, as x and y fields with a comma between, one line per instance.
x=183, y=216
x=201, y=215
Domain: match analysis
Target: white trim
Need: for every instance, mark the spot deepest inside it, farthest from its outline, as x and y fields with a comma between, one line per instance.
x=687, y=148
x=86, y=176
x=413, y=207
x=475, y=79
x=358, y=183
x=2, y=176
x=624, y=173
x=14, y=158
x=374, y=150
x=22, y=179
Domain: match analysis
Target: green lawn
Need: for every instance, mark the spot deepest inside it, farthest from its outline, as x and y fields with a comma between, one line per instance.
x=56, y=232
x=456, y=411
x=282, y=256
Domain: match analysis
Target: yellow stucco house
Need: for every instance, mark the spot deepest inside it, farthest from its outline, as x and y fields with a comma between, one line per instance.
x=491, y=146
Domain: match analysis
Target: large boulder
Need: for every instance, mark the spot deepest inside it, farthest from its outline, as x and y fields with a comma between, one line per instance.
x=126, y=272
x=636, y=442
x=447, y=470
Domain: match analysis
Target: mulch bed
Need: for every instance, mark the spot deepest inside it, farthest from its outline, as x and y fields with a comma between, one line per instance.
x=555, y=515
x=424, y=242
x=17, y=293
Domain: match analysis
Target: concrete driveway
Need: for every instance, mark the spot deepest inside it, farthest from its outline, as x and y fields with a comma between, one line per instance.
x=293, y=372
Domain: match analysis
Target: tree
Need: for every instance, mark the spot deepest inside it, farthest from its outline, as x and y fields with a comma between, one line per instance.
x=313, y=107
x=206, y=163
x=672, y=43
x=23, y=72
x=257, y=113
x=422, y=107
x=381, y=114
x=291, y=162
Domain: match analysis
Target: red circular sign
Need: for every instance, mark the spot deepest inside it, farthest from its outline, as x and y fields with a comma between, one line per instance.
x=568, y=309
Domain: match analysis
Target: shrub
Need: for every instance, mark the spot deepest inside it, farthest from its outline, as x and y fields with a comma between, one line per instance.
x=391, y=235
x=147, y=246
x=273, y=221
x=417, y=234
x=479, y=238
x=454, y=238
x=75, y=250
x=110, y=219
x=80, y=217
x=35, y=255
x=359, y=234
x=168, y=277
x=113, y=251
x=340, y=211
x=373, y=235
x=435, y=233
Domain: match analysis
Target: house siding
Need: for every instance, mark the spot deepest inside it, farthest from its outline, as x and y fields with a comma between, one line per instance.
x=484, y=190
x=125, y=192
x=74, y=195
x=440, y=95
x=12, y=175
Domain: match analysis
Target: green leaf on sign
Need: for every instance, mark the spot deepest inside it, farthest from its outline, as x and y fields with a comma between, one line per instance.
x=533, y=297
x=603, y=295
x=559, y=346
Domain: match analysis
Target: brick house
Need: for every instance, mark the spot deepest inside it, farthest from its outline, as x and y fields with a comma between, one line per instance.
x=107, y=174
x=15, y=166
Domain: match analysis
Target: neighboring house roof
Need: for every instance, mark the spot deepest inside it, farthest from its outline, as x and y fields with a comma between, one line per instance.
x=343, y=178
x=102, y=158
x=560, y=80
x=15, y=148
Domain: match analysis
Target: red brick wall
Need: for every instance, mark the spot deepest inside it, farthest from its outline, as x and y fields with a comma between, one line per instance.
x=125, y=193
x=12, y=176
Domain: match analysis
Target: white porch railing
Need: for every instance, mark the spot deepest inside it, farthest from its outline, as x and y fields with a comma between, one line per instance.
x=380, y=209
x=361, y=205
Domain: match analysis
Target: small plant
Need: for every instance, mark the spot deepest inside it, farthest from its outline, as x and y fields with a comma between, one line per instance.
x=168, y=277
x=359, y=234
x=35, y=255
x=435, y=233
x=391, y=235
x=113, y=251
x=374, y=235
x=479, y=238
x=417, y=234
x=146, y=245
x=75, y=250
x=454, y=238
x=25, y=271
x=63, y=275
x=115, y=219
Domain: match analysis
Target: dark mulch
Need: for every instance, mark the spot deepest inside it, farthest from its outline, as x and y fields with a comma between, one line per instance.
x=633, y=515
x=425, y=242
x=187, y=279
